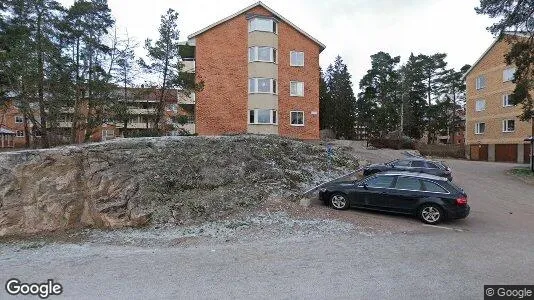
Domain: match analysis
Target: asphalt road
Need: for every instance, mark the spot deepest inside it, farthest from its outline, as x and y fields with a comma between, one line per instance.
x=492, y=246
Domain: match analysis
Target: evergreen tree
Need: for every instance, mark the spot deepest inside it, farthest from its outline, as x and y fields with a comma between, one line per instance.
x=517, y=17
x=325, y=105
x=378, y=104
x=339, y=87
x=414, y=97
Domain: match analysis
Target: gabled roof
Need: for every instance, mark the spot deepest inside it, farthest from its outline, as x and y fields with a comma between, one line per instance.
x=491, y=47
x=321, y=45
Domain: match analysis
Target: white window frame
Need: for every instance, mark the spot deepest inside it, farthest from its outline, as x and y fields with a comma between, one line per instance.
x=297, y=89
x=505, y=127
x=483, y=107
x=291, y=59
x=506, y=76
x=506, y=100
x=480, y=82
x=273, y=86
x=274, y=25
x=291, y=118
x=21, y=135
x=21, y=119
x=273, y=116
x=478, y=126
x=273, y=57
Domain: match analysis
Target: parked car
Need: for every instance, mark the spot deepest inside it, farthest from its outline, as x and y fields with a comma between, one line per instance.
x=411, y=165
x=429, y=197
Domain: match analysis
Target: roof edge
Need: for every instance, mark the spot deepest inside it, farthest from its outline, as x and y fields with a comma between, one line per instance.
x=259, y=3
x=497, y=39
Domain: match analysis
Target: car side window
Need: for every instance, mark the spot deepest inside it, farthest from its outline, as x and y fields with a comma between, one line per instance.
x=380, y=182
x=408, y=183
x=432, y=187
x=418, y=164
x=432, y=165
x=402, y=163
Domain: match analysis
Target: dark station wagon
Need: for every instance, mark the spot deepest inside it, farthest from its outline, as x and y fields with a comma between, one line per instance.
x=429, y=197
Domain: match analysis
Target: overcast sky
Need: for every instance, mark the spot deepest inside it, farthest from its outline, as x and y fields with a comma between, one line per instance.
x=354, y=29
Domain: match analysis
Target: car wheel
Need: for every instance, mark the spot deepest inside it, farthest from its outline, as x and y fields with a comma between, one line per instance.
x=339, y=201
x=431, y=214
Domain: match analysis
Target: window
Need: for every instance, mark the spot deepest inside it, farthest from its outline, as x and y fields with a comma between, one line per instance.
x=418, y=164
x=508, y=74
x=506, y=100
x=19, y=119
x=262, y=116
x=480, y=82
x=508, y=126
x=480, y=128
x=263, y=54
x=402, y=163
x=431, y=165
x=262, y=24
x=296, y=59
x=480, y=105
x=296, y=89
x=432, y=187
x=262, y=85
x=408, y=183
x=380, y=182
x=297, y=118
x=20, y=133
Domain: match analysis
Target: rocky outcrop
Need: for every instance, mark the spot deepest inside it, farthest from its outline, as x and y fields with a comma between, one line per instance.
x=131, y=182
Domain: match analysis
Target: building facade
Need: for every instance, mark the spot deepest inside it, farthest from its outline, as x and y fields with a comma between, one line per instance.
x=493, y=130
x=141, y=103
x=260, y=75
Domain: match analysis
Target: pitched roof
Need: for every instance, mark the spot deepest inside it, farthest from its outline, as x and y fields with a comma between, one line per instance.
x=321, y=45
x=521, y=34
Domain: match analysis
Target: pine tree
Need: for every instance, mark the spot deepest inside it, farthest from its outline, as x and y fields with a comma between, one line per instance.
x=339, y=87
x=325, y=105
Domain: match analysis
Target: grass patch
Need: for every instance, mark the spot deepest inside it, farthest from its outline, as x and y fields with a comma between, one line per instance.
x=523, y=172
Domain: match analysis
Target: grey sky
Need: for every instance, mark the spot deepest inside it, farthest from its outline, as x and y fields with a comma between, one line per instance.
x=354, y=29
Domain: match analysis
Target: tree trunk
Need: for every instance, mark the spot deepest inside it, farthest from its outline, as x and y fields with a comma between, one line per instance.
x=40, y=62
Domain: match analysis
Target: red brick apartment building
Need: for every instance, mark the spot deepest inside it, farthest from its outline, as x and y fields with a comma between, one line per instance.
x=141, y=102
x=260, y=74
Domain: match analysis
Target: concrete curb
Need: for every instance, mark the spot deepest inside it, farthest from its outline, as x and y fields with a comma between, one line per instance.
x=310, y=191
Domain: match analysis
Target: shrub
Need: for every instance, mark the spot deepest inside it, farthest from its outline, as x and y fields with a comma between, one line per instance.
x=393, y=143
x=441, y=150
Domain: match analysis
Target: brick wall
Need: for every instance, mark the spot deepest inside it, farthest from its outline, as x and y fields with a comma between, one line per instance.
x=222, y=63
x=492, y=67
x=290, y=39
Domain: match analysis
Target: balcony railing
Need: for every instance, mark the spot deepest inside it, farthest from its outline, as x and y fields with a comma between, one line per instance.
x=142, y=111
x=189, y=65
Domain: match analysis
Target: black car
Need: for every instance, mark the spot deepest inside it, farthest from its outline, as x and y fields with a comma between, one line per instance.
x=431, y=198
x=411, y=165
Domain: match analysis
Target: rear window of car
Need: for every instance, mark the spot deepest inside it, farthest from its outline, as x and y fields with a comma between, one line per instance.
x=380, y=182
x=402, y=163
x=408, y=183
x=418, y=164
x=433, y=187
x=432, y=165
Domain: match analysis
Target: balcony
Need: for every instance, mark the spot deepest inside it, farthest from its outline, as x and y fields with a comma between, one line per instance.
x=136, y=125
x=183, y=98
x=142, y=111
x=189, y=65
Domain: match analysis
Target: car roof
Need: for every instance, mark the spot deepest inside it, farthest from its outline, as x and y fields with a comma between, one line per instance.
x=411, y=174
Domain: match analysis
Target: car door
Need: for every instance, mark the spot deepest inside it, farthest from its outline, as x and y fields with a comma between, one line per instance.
x=404, y=196
x=373, y=193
